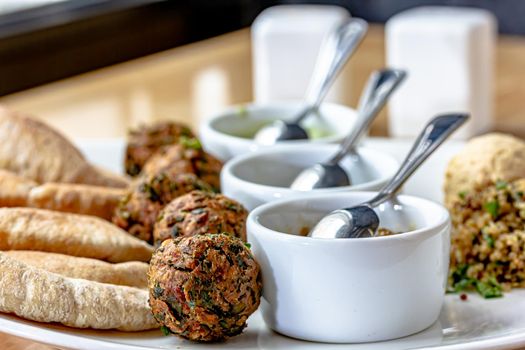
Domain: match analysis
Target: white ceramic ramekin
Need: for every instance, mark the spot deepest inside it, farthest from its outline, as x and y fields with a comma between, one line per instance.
x=351, y=290
x=265, y=175
x=219, y=133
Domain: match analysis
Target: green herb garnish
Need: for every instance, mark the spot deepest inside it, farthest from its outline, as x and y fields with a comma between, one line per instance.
x=231, y=206
x=462, y=194
x=488, y=238
x=492, y=208
x=460, y=282
x=150, y=192
x=165, y=330
x=190, y=143
x=247, y=245
x=489, y=289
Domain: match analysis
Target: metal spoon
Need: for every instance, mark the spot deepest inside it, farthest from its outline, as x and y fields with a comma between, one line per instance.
x=361, y=220
x=335, y=51
x=379, y=88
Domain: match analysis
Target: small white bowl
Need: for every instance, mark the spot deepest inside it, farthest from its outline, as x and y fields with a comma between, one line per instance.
x=264, y=176
x=351, y=290
x=227, y=134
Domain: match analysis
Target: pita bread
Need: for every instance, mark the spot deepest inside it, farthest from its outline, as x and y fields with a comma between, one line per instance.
x=133, y=273
x=70, y=234
x=37, y=152
x=42, y=296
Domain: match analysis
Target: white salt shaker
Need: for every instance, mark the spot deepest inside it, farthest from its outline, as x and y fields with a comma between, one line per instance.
x=285, y=44
x=448, y=53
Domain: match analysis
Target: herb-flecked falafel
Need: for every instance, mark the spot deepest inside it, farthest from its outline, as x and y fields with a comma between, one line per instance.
x=204, y=287
x=200, y=212
x=138, y=210
x=186, y=157
x=144, y=141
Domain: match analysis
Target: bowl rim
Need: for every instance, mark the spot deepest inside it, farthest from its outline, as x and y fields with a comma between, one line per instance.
x=229, y=167
x=207, y=124
x=443, y=221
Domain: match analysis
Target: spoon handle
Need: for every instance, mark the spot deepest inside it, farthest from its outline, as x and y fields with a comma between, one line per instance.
x=335, y=51
x=433, y=135
x=379, y=88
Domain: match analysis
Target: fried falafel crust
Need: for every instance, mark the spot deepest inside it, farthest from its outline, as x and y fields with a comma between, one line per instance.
x=140, y=207
x=198, y=213
x=204, y=287
x=146, y=140
x=186, y=157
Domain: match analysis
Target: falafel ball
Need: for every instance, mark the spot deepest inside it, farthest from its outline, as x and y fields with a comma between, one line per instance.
x=204, y=287
x=186, y=157
x=200, y=212
x=144, y=141
x=138, y=210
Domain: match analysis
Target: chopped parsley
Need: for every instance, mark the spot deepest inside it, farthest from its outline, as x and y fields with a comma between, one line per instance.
x=231, y=206
x=190, y=143
x=461, y=282
x=492, y=208
x=165, y=330
x=248, y=245
x=462, y=194
x=150, y=192
x=489, y=289
x=488, y=238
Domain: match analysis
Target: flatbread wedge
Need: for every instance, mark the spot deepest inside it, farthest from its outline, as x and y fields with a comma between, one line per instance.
x=14, y=189
x=131, y=273
x=43, y=296
x=37, y=152
x=70, y=234
x=75, y=198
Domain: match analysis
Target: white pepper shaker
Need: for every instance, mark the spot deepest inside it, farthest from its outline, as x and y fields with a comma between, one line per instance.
x=285, y=44
x=448, y=53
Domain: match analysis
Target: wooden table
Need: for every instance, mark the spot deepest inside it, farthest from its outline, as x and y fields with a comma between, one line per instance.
x=189, y=82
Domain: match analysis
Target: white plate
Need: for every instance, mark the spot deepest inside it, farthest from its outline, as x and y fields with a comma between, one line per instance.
x=473, y=324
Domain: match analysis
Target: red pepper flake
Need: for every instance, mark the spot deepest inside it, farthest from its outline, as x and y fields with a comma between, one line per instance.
x=463, y=296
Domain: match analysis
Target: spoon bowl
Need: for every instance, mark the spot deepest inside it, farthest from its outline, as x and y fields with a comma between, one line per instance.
x=379, y=88
x=335, y=50
x=361, y=220
x=265, y=175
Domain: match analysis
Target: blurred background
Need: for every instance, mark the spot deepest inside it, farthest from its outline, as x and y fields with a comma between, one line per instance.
x=94, y=68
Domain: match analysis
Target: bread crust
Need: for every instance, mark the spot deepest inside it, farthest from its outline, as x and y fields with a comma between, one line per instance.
x=35, y=151
x=14, y=189
x=42, y=296
x=74, y=198
x=132, y=273
x=71, y=234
